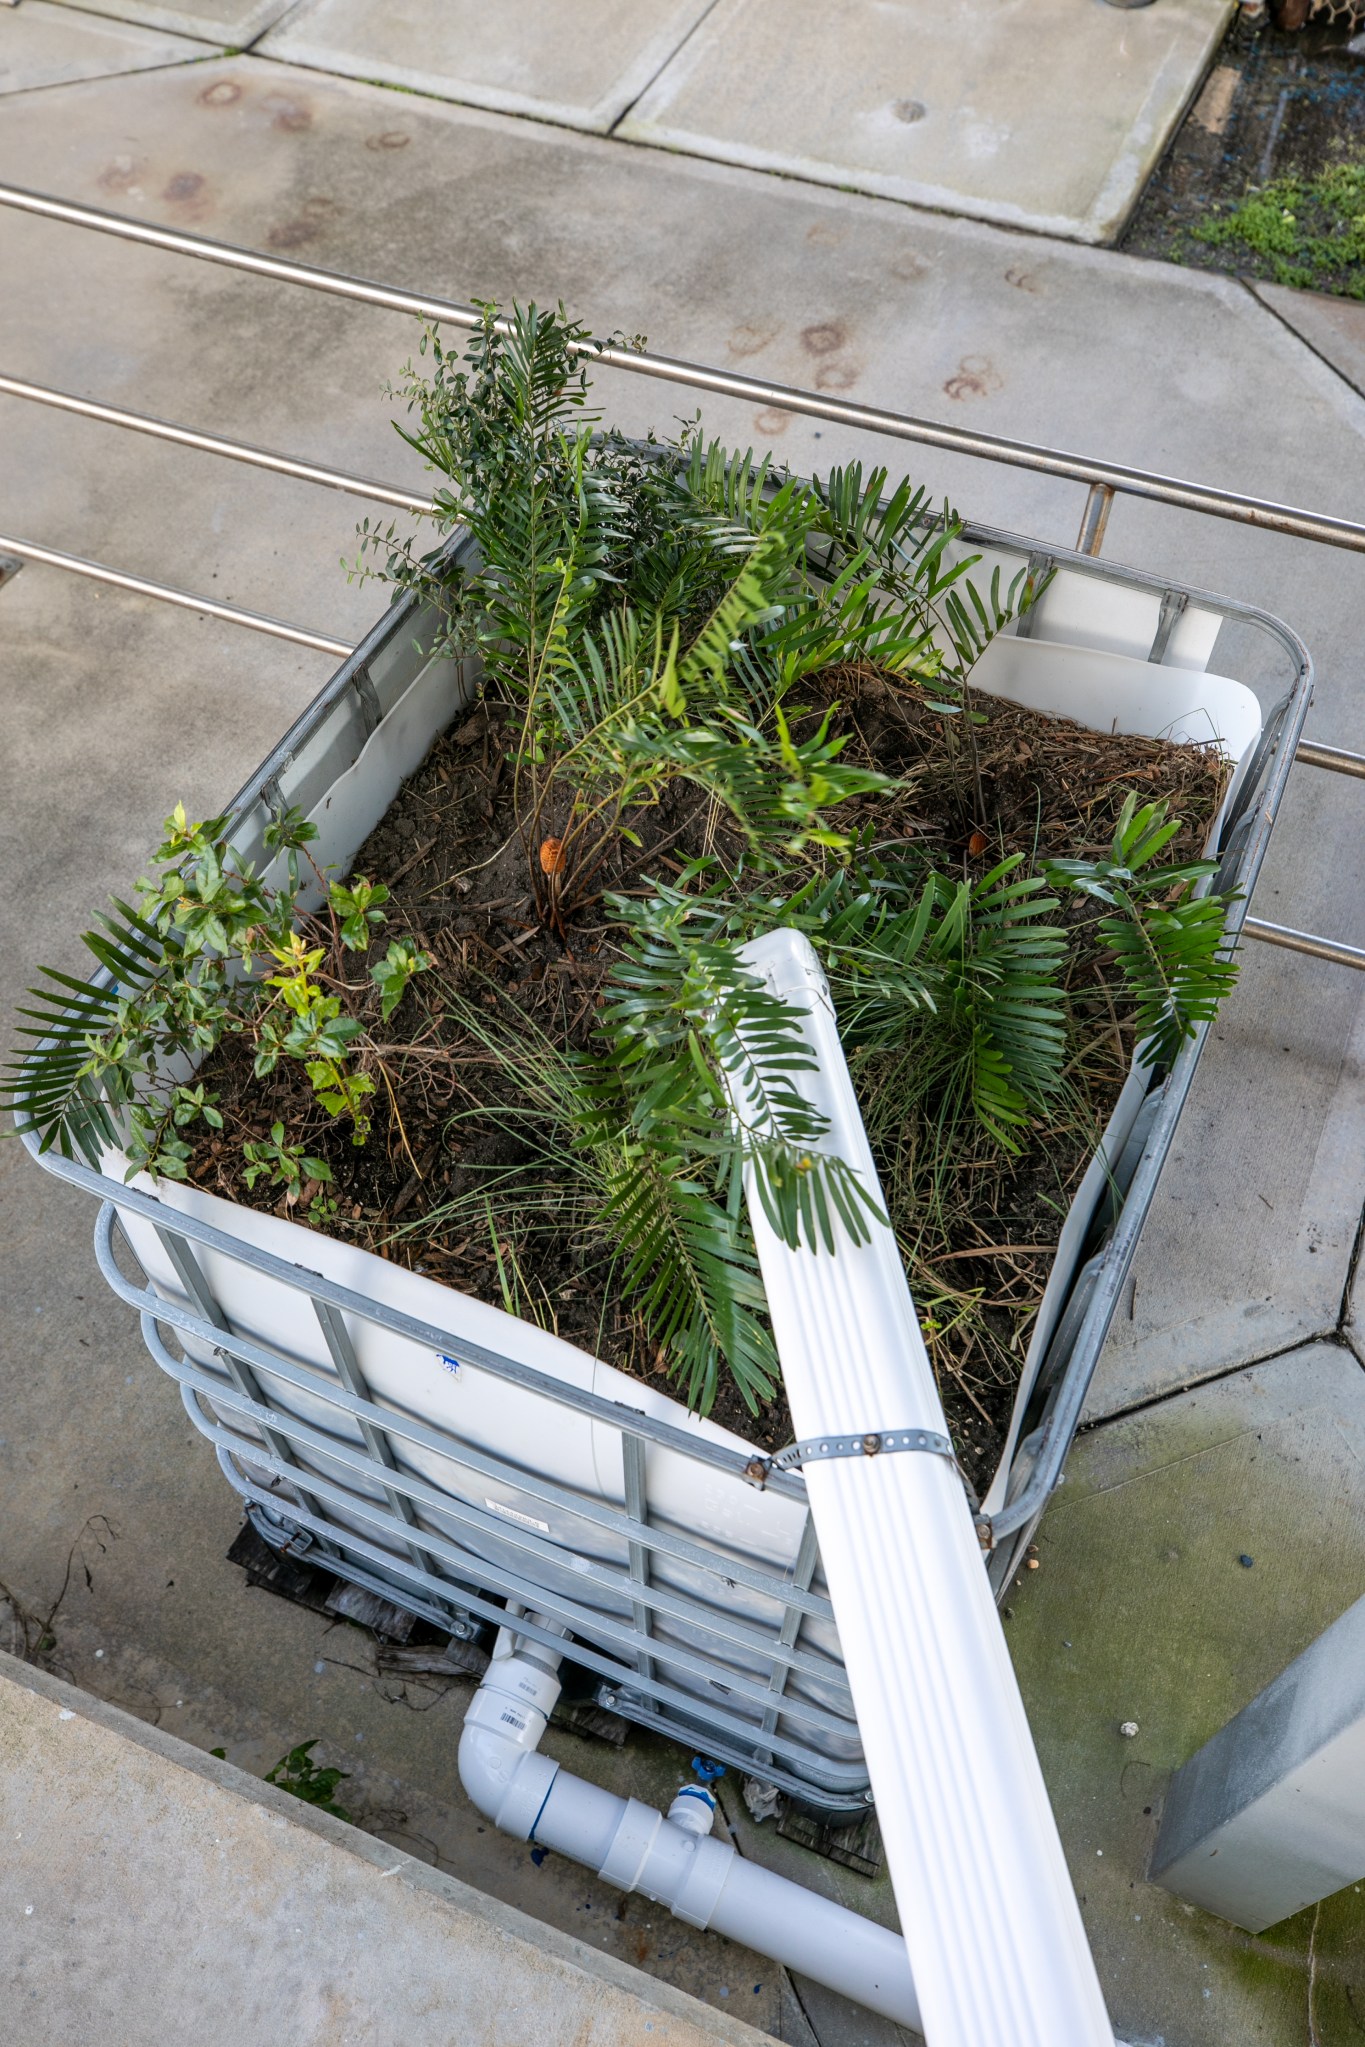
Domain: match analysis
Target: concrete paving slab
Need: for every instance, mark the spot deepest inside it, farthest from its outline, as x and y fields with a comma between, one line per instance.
x=150, y=1892
x=235, y=22
x=1333, y=328
x=115, y=708
x=1249, y=1243
x=1043, y=114
x=47, y=44
x=583, y=65
x=1142, y=1611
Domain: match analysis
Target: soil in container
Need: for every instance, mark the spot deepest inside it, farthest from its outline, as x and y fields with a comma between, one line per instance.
x=457, y=1179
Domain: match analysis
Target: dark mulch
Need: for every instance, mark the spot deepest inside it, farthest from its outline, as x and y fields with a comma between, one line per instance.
x=450, y=851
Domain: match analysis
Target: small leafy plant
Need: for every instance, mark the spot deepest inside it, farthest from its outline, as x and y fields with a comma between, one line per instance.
x=675, y=643
x=1166, y=939
x=288, y=1166
x=315, y=1784
x=210, y=951
x=1300, y=230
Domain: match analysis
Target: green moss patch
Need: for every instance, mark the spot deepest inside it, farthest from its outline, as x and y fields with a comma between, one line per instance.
x=1308, y=232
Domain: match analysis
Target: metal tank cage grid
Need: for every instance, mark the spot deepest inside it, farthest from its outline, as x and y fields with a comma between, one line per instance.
x=752, y=1723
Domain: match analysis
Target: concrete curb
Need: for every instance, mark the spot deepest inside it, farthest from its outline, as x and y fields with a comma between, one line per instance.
x=151, y=1891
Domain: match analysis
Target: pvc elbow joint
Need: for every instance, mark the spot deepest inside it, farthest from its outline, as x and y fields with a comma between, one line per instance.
x=675, y=1861
x=500, y=1765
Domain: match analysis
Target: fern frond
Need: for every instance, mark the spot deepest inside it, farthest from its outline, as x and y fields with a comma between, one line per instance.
x=1173, y=965
x=702, y=1057
x=687, y=1262
x=1140, y=834
x=781, y=792
x=846, y=619
x=856, y=514
x=1002, y=965
x=877, y=957
x=50, y=1088
x=1167, y=939
x=974, y=620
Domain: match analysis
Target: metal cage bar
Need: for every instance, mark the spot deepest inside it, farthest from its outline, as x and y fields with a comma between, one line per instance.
x=1266, y=513
x=737, y=1713
x=421, y=1434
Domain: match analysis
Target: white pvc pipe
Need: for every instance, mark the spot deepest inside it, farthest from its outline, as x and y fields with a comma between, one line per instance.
x=997, y=1949
x=675, y=1861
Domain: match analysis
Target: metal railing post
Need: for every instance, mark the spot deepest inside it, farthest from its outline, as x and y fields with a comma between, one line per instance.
x=1094, y=518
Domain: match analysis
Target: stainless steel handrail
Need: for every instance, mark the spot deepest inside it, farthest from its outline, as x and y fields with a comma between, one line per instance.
x=1104, y=479
x=214, y=444
x=1112, y=476
x=1334, y=758
x=1305, y=941
x=259, y=622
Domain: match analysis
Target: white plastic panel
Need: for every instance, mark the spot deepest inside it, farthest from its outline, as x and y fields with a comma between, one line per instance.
x=1115, y=693
x=515, y=1424
x=1193, y=639
x=1082, y=609
x=1087, y=611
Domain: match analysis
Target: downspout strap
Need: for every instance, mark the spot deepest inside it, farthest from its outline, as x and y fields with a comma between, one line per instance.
x=873, y=1443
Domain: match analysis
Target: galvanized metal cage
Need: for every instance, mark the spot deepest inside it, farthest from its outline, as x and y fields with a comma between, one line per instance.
x=708, y=1639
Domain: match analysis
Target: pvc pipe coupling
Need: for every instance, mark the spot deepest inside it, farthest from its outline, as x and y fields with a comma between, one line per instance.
x=673, y=1860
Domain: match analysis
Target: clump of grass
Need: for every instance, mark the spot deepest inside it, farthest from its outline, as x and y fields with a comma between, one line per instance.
x=1307, y=232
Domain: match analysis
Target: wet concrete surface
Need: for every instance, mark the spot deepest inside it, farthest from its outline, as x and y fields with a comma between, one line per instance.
x=1196, y=1548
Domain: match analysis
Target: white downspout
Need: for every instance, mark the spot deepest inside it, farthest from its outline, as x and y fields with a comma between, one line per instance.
x=674, y=1860
x=997, y=1948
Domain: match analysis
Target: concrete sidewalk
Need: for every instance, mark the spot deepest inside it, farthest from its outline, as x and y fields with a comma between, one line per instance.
x=116, y=708
x=1046, y=114
x=149, y=1892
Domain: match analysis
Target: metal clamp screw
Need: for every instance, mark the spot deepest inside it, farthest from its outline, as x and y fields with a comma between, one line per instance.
x=871, y=1443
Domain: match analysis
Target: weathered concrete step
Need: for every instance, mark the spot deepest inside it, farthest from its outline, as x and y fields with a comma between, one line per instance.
x=150, y=1892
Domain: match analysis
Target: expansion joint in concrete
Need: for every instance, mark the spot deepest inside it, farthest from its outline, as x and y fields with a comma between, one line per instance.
x=1339, y=1338
x=667, y=58
x=1265, y=306
x=1346, y=1318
